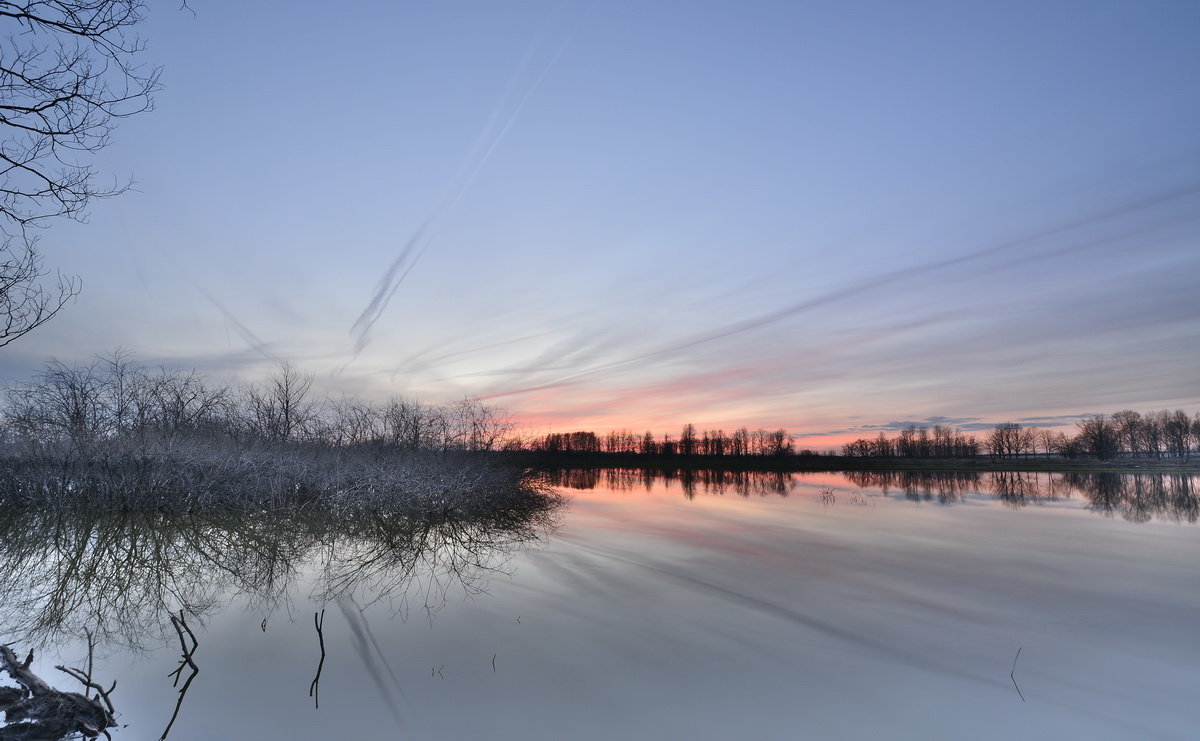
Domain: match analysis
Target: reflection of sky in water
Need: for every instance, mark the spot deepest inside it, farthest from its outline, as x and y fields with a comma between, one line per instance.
x=650, y=615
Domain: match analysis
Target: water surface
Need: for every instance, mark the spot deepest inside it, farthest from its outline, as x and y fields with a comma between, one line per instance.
x=693, y=605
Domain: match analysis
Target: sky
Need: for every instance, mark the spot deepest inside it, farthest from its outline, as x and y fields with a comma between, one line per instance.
x=831, y=217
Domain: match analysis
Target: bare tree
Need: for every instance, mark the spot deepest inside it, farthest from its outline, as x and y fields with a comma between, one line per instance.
x=1005, y=440
x=739, y=443
x=1129, y=426
x=25, y=302
x=648, y=446
x=779, y=443
x=1177, y=429
x=68, y=72
x=687, y=440
x=1047, y=439
x=1099, y=437
x=280, y=412
x=473, y=426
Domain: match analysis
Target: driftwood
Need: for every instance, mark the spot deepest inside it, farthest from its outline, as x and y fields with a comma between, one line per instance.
x=35, y=711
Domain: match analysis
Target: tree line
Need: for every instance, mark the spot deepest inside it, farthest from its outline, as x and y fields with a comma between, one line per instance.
x=1126, y=433
x=691, y=442
x=114, y=404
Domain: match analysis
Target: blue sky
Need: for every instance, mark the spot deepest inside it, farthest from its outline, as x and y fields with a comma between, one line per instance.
x=809, y=215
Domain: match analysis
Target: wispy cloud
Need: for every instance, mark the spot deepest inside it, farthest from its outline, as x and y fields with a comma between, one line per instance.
x=1023, y=250
x=480, y=151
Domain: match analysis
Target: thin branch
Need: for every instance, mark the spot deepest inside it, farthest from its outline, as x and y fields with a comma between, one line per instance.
x=314, y=689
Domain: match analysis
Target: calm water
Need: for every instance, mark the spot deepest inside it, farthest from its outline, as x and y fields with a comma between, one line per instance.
x=705, y=606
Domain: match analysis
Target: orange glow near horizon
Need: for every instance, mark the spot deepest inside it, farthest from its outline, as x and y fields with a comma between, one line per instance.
x=806, y=438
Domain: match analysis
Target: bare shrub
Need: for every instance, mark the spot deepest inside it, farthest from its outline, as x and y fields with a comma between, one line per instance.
x=119, y=436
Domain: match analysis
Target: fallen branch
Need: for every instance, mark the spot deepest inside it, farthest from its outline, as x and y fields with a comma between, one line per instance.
x=35, y=710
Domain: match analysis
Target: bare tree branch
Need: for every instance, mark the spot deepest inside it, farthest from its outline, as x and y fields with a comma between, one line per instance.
x=26, y=302
x=69, y=70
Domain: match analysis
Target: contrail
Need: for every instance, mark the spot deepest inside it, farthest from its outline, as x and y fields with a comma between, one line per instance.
x=362, y=636
x=256, y=343
x=461, y=183
x=388, y=283
x=869, y=284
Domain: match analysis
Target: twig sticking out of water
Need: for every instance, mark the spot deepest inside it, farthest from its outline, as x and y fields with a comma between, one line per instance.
x=1014, y=671
x=314, y=689
x=862, y=501
x=101, y=693
x=493, y=662
x=86, y=678
x=185, y=633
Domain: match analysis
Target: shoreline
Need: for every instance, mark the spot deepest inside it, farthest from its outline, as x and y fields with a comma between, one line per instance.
x=819, y=464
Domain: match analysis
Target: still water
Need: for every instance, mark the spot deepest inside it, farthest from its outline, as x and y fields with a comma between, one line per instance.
x=648, y=606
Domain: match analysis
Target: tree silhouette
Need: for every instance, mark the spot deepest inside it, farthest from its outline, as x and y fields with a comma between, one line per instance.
x=68, y=72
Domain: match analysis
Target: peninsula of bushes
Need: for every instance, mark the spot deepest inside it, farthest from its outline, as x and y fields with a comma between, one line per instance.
x=115, y=435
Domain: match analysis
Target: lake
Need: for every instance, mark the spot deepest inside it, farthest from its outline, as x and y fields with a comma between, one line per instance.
x=649, y=605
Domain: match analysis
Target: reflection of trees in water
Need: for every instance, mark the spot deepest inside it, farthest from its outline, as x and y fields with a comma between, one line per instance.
x=1140, y=497
x=1137, y=497
x=944, y=486
x=1013, y=488
x=120, y=574
x=691, y=480
x=396, y=559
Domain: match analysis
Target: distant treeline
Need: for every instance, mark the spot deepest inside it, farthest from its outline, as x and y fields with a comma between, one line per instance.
x=1169, y=434
x=915, y=441
x=1164, y=434
x=691, y=442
